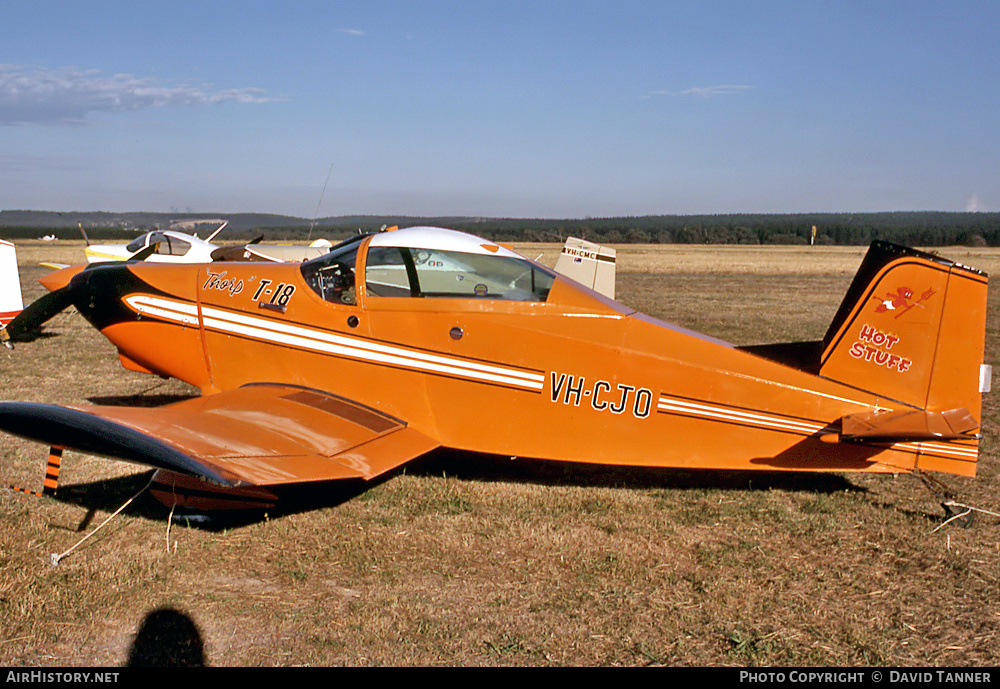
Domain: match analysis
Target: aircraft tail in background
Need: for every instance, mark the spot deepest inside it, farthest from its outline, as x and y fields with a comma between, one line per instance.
x=589, y=264
x=10, y=284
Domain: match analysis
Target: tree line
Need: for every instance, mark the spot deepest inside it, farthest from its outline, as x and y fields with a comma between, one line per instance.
x=923, y=228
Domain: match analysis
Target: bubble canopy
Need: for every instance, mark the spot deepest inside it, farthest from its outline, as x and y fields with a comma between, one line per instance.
x=422, y=262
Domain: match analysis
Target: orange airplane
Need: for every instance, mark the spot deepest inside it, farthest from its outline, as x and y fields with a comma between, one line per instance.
x=397, y=343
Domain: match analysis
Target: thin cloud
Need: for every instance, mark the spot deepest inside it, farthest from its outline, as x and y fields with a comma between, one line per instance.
x=67, y=95
x=706, y=91
x=351, y=32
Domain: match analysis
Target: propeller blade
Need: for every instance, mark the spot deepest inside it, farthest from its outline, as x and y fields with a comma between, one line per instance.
x=235, y=253
x=38, y=312
x=145, y=253
x=229, y=253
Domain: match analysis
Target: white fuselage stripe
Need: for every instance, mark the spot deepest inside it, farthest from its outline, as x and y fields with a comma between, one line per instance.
x=667, y=404
x=677, y=406
x=960, y=451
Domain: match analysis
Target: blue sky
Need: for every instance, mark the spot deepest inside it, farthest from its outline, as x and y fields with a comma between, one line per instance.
x=503, y=109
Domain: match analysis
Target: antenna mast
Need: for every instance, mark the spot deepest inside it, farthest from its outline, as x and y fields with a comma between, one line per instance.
x=321, y=195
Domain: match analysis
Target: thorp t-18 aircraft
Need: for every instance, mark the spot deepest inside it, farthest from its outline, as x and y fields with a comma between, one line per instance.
x=393, y=344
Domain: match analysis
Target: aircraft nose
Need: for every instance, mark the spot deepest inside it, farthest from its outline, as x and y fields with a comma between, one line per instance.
x=97, y=293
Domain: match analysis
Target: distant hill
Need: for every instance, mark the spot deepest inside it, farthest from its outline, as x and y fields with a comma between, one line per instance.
x=135, y=221
x=916, y=228
x=110, y=225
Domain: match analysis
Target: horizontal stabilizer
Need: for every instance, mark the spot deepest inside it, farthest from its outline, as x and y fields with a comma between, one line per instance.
x=908, y=425
x=262, y=435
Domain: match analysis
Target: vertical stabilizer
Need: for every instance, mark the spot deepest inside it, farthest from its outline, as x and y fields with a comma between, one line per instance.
x=590, y=264
x=912, y=328
x=10, y=284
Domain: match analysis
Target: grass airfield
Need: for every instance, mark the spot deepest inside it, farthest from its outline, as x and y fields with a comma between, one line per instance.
x=466, y=560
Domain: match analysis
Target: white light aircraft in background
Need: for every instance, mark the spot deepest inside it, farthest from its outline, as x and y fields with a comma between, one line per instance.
x=173, y=246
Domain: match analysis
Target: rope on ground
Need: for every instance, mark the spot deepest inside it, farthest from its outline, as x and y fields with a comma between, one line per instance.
x=968, y=509
x=56, y=557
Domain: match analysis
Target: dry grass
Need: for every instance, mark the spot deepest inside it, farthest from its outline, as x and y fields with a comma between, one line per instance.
x=465, y=560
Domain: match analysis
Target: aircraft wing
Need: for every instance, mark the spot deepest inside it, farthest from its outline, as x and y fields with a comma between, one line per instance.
x=259, y=434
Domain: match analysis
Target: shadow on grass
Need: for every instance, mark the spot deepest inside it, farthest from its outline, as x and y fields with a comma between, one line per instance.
x=32, y=336
x=478, y=467
x=141, y=399
x=109, y=494
x=167, y=638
